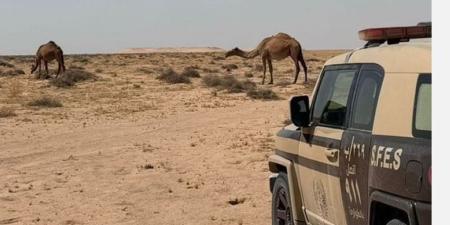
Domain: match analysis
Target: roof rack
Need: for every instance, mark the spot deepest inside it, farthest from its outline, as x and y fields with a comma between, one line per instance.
x=394, y=35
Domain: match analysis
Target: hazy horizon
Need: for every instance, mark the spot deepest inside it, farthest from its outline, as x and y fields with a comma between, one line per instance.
x=104, y=26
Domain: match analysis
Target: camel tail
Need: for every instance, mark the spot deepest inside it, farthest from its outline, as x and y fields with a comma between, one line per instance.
x=302, y=61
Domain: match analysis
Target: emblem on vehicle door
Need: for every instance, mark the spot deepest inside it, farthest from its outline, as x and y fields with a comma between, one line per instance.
x=320, y=197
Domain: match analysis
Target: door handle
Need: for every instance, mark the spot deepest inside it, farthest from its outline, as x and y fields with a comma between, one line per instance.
x=331, y=153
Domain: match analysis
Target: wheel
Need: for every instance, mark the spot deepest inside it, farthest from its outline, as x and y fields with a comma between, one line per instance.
x=281, y=202
x=395, y=222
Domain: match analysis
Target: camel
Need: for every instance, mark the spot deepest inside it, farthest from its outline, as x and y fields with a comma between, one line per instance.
x=276, y=47
x=47, y=53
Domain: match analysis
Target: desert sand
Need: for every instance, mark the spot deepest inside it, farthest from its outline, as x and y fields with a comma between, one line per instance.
x=127, y=148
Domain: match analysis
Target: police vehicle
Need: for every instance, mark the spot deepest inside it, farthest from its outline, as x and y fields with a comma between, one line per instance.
x=359, y=149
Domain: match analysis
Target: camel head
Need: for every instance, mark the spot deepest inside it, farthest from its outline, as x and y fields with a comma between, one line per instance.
x=234, y=51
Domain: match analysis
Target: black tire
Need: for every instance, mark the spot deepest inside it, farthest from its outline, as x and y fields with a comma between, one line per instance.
x=395, y=222
x=281, y=202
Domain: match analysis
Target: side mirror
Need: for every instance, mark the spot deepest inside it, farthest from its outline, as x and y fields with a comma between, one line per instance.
x=300, y=111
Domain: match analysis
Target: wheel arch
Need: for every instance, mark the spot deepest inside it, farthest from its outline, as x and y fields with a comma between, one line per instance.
x=278, y=164
x=390, y=207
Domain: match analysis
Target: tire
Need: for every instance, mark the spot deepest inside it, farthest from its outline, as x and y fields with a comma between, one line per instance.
x=395, y=222
x=281, y=202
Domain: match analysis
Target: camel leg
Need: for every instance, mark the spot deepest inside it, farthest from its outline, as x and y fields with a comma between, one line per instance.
x=264, y=69
x=59, y=70
x=305, y=68
x=297, y=67
x=40, y=63
x=270, y=71
x=46, y=68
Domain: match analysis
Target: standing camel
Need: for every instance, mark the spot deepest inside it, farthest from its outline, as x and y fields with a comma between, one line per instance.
x=276, y=47
x=47, y=53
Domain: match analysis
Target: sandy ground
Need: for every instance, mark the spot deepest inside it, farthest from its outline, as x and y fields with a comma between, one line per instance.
x=131, y=149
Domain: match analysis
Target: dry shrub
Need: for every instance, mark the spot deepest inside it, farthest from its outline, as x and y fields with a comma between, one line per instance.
x=248, y=74
x=195, y=67
x=15, y=89
x=228, y=83
x=208, y=70
x=219, y=58
x=145, y=70
x=190, y=72
x=6, y=64
x=315, y=60
x=76, y=68
x=7, y=112
x=259, y=68
x=11, y=72
x=45, y=101
x=172, y=77
x=230, y=67
x=284, y=83
x=70, y=77
x=263, y=93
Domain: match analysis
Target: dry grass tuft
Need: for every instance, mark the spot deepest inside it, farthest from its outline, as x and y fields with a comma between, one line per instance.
x=259, y=68
x=230, y=67
x=6, y=64
x=228, y=83
x=11, y=72
x=45, y=101
x=263, y=94
x=15, y=89
x=70, y=77
x=145, y=70
x=190, y=72
x=7, y=112
x=172, y=77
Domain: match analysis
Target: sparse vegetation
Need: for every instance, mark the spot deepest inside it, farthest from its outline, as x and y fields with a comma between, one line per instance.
x=76, y=68
x=172, y=77
x=145, y=70
x=11, y=72
x=45, y=101
x=7, y=112
x=15, y=89
x=259, y=68
x=190, y=72
x=263, y=93
x=228, y=83
x=248, y=74
x=219, y=58
x=229, y=67
x=70, y=77
x=6, y=64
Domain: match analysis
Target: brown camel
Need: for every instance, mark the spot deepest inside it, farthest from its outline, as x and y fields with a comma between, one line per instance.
x=276, y=47
x=47, y=53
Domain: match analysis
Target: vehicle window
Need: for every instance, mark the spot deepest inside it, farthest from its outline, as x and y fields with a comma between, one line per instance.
x=330, y=107
x=422, y=114
x=366, y=100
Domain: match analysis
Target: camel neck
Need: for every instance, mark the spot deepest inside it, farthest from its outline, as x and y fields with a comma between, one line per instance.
x=251, y=54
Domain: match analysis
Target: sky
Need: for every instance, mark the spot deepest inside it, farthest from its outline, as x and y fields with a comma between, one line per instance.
x=108, y=26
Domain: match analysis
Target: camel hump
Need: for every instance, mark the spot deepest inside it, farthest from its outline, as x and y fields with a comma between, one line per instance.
x=281, y=34
x=52, y=42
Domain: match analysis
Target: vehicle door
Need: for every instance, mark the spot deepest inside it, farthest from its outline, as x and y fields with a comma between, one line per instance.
x=355, y=147
x=318, y=162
